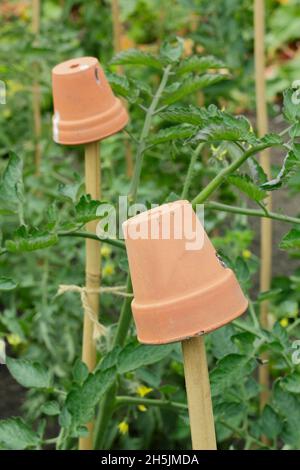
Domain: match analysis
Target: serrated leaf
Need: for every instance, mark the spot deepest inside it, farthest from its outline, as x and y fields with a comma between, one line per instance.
x=80, y=372
x=291, y=241
x=86, y=209
x=170, y=52
x=270, y=423
x=241, y=269
x=228, y=371
x=50, y=408
x=16, y=435
x=134, y=356
x=247, y=186
x=288, y=405
x=291, y=108
x=30, y=239
x=281, y=335
x=235, y=129
x=71, y=191
x=7, y=284
x=82, y=400
x=191, y=86
x=11, y=186
x=121, y=86
x=171, y=133
x=291, y=383
x=185, y=114
x=136, y=57
x=199, y=64
x=291, y=165
x=28, y=373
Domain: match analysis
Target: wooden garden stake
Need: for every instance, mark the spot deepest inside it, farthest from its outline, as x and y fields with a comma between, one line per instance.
x=175, y=300
x=36, y=91
x=266, y=224
x=198, y=394
x=92, y=272
x=86, y=112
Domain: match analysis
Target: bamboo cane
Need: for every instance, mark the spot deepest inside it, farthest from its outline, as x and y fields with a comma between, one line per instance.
x=92, y=270
x=117, y=38
x=36, y=91
x=266, y=224
x=198, y=394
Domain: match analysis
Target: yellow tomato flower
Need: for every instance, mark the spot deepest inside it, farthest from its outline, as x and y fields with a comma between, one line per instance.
x=14, y=339
x=105, y=251
x=142, y=408
x=247, y=254
x=284, y=322
x=108, y=270
x=142, y=390
x=123, y=427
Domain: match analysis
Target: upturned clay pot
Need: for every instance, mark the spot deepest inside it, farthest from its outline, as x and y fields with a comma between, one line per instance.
x=181, y=288
x=85, y=108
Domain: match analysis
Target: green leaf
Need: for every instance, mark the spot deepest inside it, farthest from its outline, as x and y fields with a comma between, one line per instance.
x=171, y=133
x=82, y=400
x=291, y=108
x=170, y=52
x=235, y=129
x=121, y=86
x=291, y=165
x=291, y=383
x=28, y=373
x=270, y=423
x=136, y=57
x=291, y=241
x=134, y=356
x=228, y=410
x=7, y=284
x=186, y=115
x=245, y=184
x=11, y=184
x=241, y=269
x=86, y=209
x=288, y=405
x=280, y=334
x=71, y=191
x=30, y=239
x=80, y=372
x=16, y=435
x=191, y=86
x=50, y=408
x=228, y=371
x=199, y=64
x=222, y=344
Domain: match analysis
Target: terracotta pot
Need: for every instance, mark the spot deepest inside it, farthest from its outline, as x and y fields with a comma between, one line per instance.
x=179, y=292
x=85, y=108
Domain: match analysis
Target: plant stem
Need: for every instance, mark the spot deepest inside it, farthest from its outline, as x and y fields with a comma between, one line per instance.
x=251, y=212
x=253, y=314
x=144, y=134
x=219, y=178
x=125, y=317
x=122, y=400
x=93, y=236
x=189, y=176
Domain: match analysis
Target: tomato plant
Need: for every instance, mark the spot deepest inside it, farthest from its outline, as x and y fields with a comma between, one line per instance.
x=182, y=150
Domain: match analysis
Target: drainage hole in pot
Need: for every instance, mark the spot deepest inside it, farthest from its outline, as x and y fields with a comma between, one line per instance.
x=74, y=66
